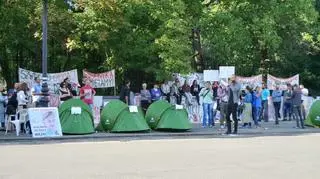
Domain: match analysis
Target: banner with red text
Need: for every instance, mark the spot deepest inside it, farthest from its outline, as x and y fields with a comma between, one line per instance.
x=252, y=82
x=100, y=80
x=282, y=82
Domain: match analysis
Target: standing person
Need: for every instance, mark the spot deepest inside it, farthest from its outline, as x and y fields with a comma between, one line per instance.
x=165, y=88
x=145, y=97
x=187, y=93
x=125, y=93
x=195, y=90
x=265, y=96
x=207, y=95
x=23, y=100
x=276, y=98
x=64, y=92
x=247, y=112
x=257, y=105
x=287, y=107
x=296, y=103
x=36, y=91
x=223, y=96
x=12, y=103
x=87, y=93
x=155, y=93
x=176, y=92
x=305, y=93
x=2, y=107
x=234, y=92
x=69, y=86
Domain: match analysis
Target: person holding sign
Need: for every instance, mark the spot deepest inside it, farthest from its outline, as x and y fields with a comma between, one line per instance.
x=234, y=92
x=207, y=95
x=87, y=93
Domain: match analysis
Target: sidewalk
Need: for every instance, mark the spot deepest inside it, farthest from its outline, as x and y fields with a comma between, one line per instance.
x=267, y=129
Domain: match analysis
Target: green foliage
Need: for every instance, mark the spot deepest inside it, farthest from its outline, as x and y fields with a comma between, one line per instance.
x=147, y=40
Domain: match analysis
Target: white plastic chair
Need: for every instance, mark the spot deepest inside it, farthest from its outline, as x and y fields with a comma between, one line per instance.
x=23, y=118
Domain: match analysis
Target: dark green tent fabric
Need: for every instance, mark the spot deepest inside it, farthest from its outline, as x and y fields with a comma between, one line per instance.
x=313, y=118
x=155, y=112
x=116, y=117
x=76, y=123
x=163, y=116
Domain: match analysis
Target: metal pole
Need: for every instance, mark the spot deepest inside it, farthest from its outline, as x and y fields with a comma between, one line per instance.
x=44, y=100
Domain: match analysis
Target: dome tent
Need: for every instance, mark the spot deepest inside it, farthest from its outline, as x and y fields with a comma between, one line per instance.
x=116, y=117
x=76, y=123
x=313, y=118
x=163, y=116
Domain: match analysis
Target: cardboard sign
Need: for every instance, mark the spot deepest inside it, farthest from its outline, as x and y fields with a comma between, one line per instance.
x=211, y=75
x=226, y=71
x=44, y=122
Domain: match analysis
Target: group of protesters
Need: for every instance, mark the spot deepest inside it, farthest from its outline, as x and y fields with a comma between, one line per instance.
x=234, y=103
x=22, y=97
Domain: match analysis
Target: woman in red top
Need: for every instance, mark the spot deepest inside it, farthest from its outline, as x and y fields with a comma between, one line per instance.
x=87, y=93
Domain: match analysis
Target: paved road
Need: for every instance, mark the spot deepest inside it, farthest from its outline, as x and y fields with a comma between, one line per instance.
x=275, y=157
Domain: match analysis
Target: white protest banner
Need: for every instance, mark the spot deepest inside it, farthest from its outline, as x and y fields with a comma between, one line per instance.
x=282, y=82
x=54, y=79
x=252, y=82
x=190, y=78
x=101, y=80
x=211, y=75
x=226, y=71
x=45, y=122
x=97, y=104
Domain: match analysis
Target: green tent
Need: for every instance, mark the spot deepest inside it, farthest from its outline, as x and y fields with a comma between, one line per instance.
x=116, y=117
x=76, y=123
x=163, y=116
x=313, y=118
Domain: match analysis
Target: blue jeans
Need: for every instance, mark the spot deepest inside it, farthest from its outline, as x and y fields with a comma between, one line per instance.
x=207, y=114
x=256, y=114
x=287, y=110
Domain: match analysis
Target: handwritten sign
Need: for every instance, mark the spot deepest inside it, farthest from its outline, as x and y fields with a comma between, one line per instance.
x=54, y=79
x=44, y=122
x=211, y=75
x=101, y=80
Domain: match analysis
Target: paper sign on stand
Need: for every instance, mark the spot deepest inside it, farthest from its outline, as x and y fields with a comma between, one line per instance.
x=179, y=107
x=211, y=75
x=45, y=122
x=226, y=72
x=133, y=109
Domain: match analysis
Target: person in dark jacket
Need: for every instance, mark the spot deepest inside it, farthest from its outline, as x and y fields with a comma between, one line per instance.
x=296, y=104
x=195, y=90
x=125, y=93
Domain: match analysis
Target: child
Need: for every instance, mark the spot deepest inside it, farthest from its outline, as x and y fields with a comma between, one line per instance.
x=87, y=93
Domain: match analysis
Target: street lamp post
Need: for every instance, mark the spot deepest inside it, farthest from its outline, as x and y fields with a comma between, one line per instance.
x=44, y=100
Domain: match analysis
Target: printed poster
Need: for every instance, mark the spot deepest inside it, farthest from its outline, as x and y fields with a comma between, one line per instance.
x=101, y=80
x=282, y=82
x=252, y=82
x=44, y=122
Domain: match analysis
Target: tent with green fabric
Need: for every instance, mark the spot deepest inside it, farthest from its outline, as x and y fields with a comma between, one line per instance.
x=116, y=117
x=163, y=116
x=79, y=123
x=313, y=118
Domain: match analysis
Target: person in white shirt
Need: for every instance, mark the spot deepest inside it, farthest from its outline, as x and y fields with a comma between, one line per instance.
x=165, y=89
x=304, y=97
x=22, y=96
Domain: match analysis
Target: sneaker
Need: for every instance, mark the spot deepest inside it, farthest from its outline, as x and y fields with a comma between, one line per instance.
x=210, y=126
x=222, y=127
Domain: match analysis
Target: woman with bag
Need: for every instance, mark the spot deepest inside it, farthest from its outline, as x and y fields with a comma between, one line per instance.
x=207, y=95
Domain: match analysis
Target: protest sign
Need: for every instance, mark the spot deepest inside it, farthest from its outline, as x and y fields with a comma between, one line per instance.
x=54, y=79
x=252, y=82
x=272, y=82
x=44, y=122
x=226, y=71
x=101, y=80
x=211, y=75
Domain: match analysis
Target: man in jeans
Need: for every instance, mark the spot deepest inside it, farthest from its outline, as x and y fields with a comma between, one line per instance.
x=287, y=107
x=276, y=98
x=296, y=103
x=265, y=95
x=234, y=92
